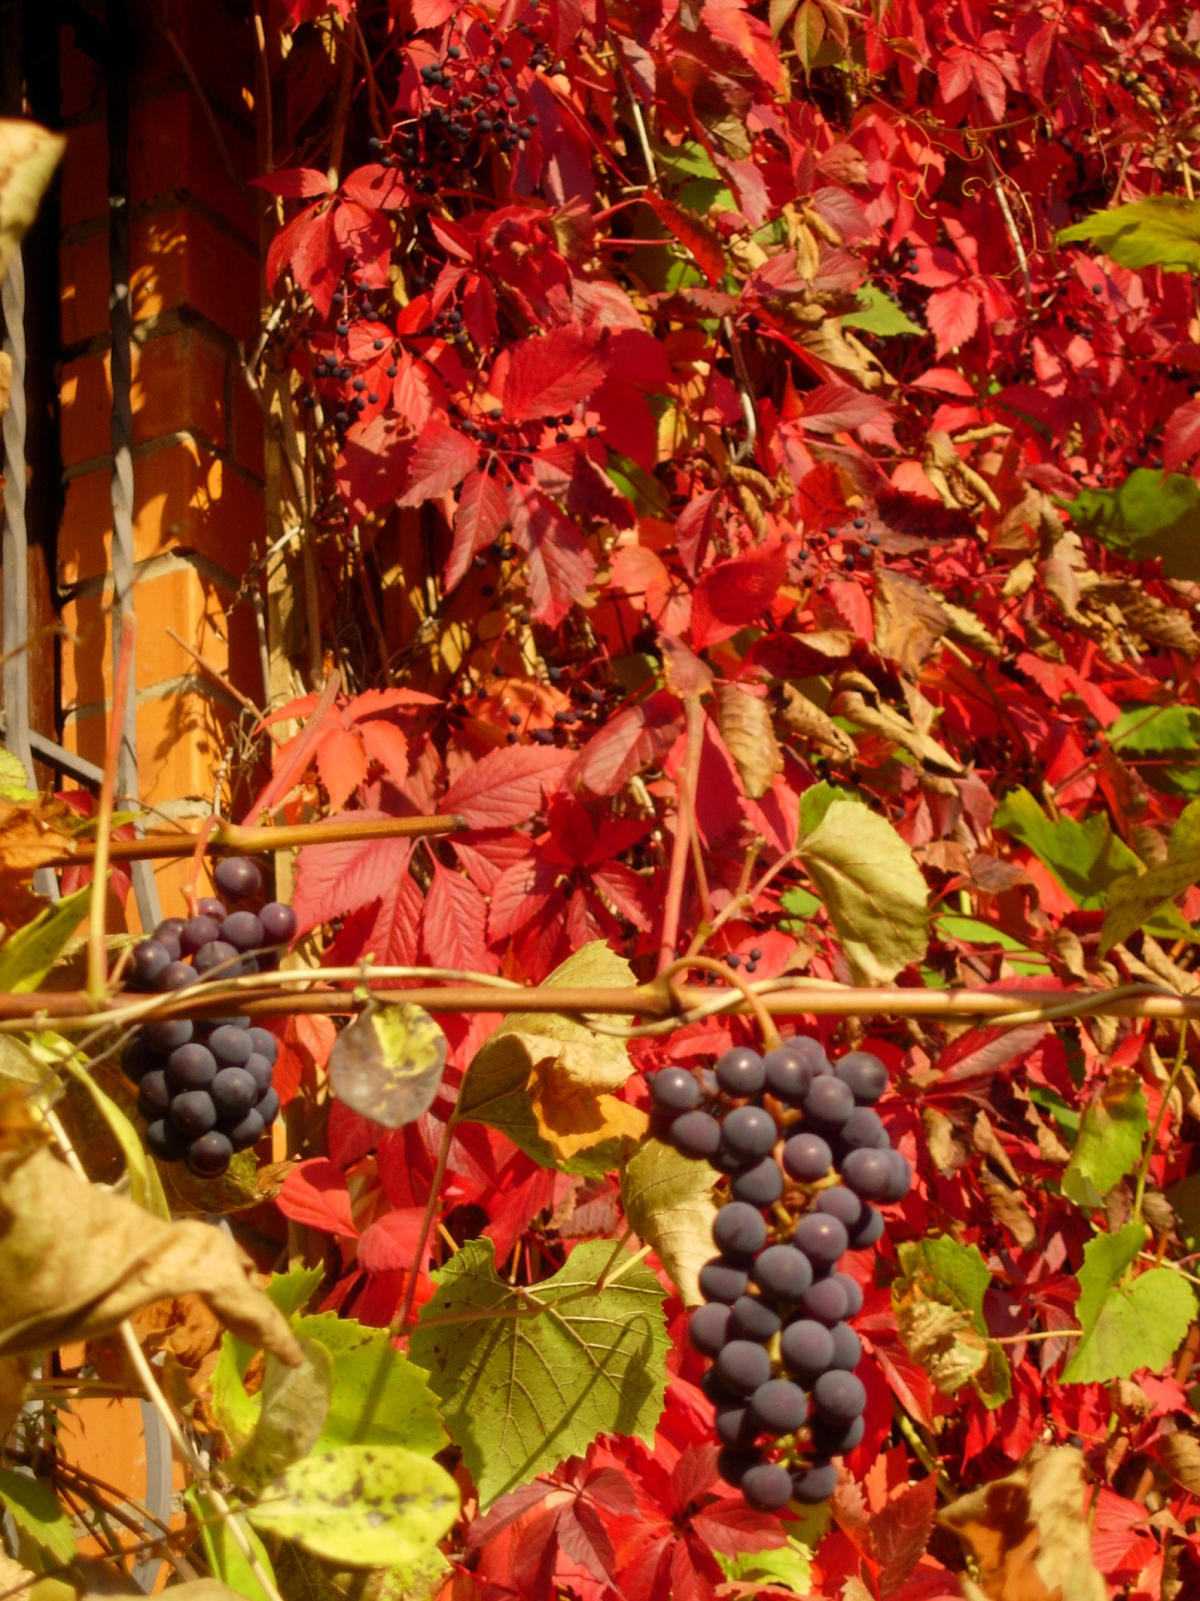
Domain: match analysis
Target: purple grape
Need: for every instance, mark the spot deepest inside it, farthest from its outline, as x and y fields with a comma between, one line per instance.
x=821, y=1237
x=193, y=1113
x=869, y=1231
x=825, y=1302
x=243, y=931
x=790, y=1068
x=260, y=1070
x=210, y=1025
x=712, y=1387
x=168, y=932
x=177, y=976
x=209, y=1155
x=868, y=1174
x=854, y=1294
x=217, y=953
x=752, y=1319
x=733, y=1425
x=209, y=906
x=279, y=923
x=807, y=1157
x=197, y=931
x=838, y=1395
x=696, y=1134
x=748, y=1133
x=900, y=1179
x=164, y=1142
x=267, y=1106
x=864, y=1130
x=237, y=877
x=806, y=1348
x=154, y=1097
x=815, y=1483
x=233, y=1092
x=841, y=1203
x=828, y=1103
x=847, y=1347
x=191, y=1067
x=738, y=1231
x=864, y=1075
x=247, y=1132
x=708, y=1328
x=734, y=1465
x=138, y=1059
x=833, y=1439
x=150, y=957
x=675, y=1090
x=168, y=1034
x=767, y=1487
x=264, y=1043
x=232, y=1046
x=760, y=1185
x=740, y=1071
x=783, y=1272
x=742, y=1366
x=779, y=1406
x=722, y=1281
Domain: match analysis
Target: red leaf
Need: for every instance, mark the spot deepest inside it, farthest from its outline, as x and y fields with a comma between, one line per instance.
x=452, y=927
x=635, y=738
x=482, y=513
x=309, y=246
x=341, y=877
x=442, y=459
x=387, y=745
x=1181, y=437
x=294, y=183
x=899, y=1533
x=559, y=566
x=373, y=467
x=831, y=408
x=550, y=374
x=628, y=891
x=733, y=593
x=342, y=764
x=366, y=238
x=953, y=317
x=389, y=1245
x=506, y=786
x=702, y=243
x=315, y=1193
x=519, y=896
x=376, y=188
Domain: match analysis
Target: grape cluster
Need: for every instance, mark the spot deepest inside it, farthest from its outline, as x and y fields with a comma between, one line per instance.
x=806, y=1157
x=205, y=1087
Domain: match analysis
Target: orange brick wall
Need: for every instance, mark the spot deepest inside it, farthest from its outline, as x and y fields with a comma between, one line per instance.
x=197, y=432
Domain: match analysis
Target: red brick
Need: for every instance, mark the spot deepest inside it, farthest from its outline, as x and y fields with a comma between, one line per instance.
x=180, y=743
x=84, y=194
x=178, y=386
x=185, y=497
x=186, y=160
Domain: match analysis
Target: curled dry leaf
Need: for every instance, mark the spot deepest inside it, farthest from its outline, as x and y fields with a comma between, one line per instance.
x=1029, y=1534
x=28, y=157
x=806, y=719
x=744, y=719
x=75, y=1260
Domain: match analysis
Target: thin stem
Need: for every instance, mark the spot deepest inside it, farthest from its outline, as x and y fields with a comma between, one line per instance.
x=685, y=822
x=709, y=964
x=97, y=953
x=400, y=1323
x=1144, y=1168
x=1037, y=1334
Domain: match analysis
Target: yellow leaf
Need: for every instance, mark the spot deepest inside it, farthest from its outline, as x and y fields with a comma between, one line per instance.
x=28, y=157
x=571, y=1119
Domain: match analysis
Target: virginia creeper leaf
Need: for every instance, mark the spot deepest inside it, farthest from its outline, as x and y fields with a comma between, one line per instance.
x=1085, y=857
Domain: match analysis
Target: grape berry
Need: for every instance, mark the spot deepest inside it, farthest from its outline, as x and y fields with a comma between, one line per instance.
x=204, y=1087
x=809, y=1163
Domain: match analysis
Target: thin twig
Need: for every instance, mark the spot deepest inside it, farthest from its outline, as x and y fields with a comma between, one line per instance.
x=230, y=689
x=1144, y=1168
x=400, y=1323
x=685, y=822
x=97, y=952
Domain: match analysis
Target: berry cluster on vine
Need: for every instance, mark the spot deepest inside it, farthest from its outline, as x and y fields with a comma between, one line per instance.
x=205, y=1087
x=806, y=1157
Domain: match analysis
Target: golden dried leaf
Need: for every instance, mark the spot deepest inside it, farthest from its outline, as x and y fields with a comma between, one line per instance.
x=1142, y=614
x=805, y=718
x=1180, y=1455
x=572, y=1119
x=909, y=620
x=1028, y=1533
x=28, y=157
x=5, y=380
x=745, y=723
x=75, y=1260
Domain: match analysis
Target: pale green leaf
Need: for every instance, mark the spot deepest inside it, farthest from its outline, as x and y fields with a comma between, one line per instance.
x=1109, y=1143
x=1150, y=516
x=1134, y=900
x=364, y=1505
x=379, y=1397
x=1127, y=1323
x=14, y=781
x=879, y=315
x=29, y=954
x=222, y=1552
x=668, y=1203
x=292, y=1407
x=872, y=889
x=1085, y=857
x=1156, y=728
x=1160, y=231
x=532, y=1376
x=387, y=1064
x=38, y=1513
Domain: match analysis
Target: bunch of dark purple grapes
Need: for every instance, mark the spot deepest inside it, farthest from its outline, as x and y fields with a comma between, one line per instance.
x=204, y=1086
x=806, y=1156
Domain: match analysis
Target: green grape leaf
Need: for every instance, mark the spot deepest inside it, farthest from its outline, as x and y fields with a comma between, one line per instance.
x=1085, y=857
x=816, y=801
x=879, y=315
x=292, y=1407
x=1160, y=231
x=1152, y=729
x=28, y=955
x=528, y=1377
x=1149, y=516
x=668, y=1203
x=37, y=1512
x=379, y=1397
x=872, y=889
x=14, y=781
x=938, y=1300
x=222, y=1552
x=1109, y=1143
x=1127, y=1323
x=235, y=1411
x=369, y=1506
x=387, y=1064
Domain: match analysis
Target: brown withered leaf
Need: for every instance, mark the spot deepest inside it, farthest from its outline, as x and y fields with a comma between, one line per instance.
x=1028, y=1533
x=1142, y=614
x=683, y=671
x=1009, y=1209
x=573, y=1118
x=909, y=620
x=744, y=719
x=76, y=1259
x=1180, y=1455
x=28, y=157
x=862, y=706
x=805, y=718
